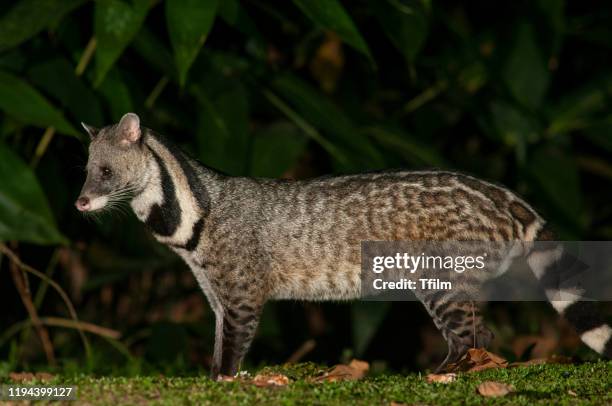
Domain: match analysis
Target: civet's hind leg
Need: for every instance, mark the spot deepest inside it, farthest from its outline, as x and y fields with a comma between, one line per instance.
x=460, y=323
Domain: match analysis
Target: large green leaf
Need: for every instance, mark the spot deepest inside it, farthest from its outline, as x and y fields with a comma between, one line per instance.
x=276, y=149
x=189, y=22
x=57, y=78
x=117, y=95
x=341, y=158
x=234, y=14
x=405, y=24
x=324, y=115
x=514, y=127
x=223, y=129
x=115, y=24
x=24, y=211
x=576, y=109
x=408, y=147
x=22, y=101
x=526, y=71
x=557, y=176
x=330, y=15
x=154, y=52
x=28, y=17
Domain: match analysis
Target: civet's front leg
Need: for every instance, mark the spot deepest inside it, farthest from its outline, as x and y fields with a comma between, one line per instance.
x=237, y=300
x=219, y=312
x=215, y=368
x=239, y=325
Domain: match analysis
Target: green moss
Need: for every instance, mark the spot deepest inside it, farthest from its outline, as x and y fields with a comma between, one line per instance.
x=542, y=384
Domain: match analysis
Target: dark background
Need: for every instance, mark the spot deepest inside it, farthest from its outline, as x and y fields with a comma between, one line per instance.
x=513, y=92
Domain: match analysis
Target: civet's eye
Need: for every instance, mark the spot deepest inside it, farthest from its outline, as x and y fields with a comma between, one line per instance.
x=106, y=172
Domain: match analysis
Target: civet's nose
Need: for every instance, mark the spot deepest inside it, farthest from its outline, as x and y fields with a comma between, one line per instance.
x=83, y=203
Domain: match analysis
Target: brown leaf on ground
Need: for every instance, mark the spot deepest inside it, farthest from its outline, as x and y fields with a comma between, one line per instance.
x=355, y=370
x=21, y=376
x=361, y=367
x=265, y=380
x=28, y=376
x=441, y=378
x=492, y=389
x=554, y=359
x=477, y=359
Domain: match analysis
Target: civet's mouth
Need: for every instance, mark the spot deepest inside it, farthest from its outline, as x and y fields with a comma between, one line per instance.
x=85, y=204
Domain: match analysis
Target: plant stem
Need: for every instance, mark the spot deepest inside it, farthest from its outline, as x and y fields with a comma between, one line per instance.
x=26, y=298
x=43, y=144
x=15, y=259
x=42, y=289
x=86, y=57
x=157, y=90
x=424, y=97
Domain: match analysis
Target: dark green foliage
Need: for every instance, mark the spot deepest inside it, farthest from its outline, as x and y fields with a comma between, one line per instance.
x=26, y=104
x=514, y=92
x=27, y=18
x=115, y=24
x=330, y=15
x=24, y=212
x=188, y=25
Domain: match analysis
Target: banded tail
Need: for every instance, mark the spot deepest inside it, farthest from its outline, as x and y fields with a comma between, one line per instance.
x=569, y=302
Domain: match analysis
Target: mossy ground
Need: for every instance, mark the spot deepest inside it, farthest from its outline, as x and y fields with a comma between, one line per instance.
x=588, y=383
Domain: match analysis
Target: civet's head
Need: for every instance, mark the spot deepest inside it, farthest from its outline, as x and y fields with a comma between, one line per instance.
x=116, y=165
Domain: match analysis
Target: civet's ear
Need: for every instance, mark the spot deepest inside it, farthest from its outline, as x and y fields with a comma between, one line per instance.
x=92, y=131
x=129, y=129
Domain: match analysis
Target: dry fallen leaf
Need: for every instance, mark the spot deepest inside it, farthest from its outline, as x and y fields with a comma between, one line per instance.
x=21, y=376
x=355, y=370
x=226, y=378
x=492, y=389
x=270, y=380
x=441, y=378
x=361, y=367
x=477, y=359
x=28, y=376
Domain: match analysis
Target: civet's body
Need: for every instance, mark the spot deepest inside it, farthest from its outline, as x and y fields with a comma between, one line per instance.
x=251, y=240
